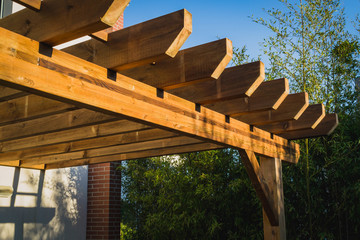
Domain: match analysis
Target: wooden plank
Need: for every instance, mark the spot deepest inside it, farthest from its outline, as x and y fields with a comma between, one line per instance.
x=102, y=35
x=290, y=109
x=197, y=64
x=260, y=184
x=17, y=164
x=70, y=135
x=325, y=128
x=30, y=107
x=136, y=136
x=59, y=21
x=10, y=93
x=272, y=172
x=135, y=155
x=311, y=117
x=31, y=4
x=108, y=151
x=53, y=123
x=140, y=44
x=269, y=95
x=73, y=80
x=234, y=82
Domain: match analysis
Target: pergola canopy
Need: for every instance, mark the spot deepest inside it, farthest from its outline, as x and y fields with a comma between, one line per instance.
x=133, y=93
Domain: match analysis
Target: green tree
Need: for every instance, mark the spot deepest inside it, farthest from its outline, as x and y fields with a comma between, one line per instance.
x=311, y=47
x=205, y=195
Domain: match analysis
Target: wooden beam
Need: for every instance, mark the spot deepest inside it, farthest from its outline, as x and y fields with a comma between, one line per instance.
x=70, y=135
x=311, y=117
x=325, y=128
x=112, y=150
x=260, y=184
x=234, y=82
x=102, y=35
x=291, y=109
x=138, y=45
x=54, y=123
x=269, y=95
x=7, y=94
x=30, y=107
x=17, y=164
x=59, y=21
x=197, y=64
x=271, y=170
x=73, y=80
x=135, y=155
x=136, y=136
x=31, y=4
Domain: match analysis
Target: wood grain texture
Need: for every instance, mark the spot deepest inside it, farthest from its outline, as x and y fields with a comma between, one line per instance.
x=138, y=45
x=112, y=150
x=109, y=138
x=327, y=125
x=10, y=93
x=53, y=123
x=260, y=184
x=311, y=117
x=135, y=155
x=59, y=21
x=234, y=82
x=269, y=95
x=30, y=107
x=73, y=80
x=290, y=109
x=197, y=64
x=34, y=5
x=272, y=172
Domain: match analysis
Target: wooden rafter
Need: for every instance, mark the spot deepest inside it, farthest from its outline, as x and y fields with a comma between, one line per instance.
x=291, y=108
x=269, y=95
x=311, y=117
x=32, y=4
x=69, y=79
x=61, y=21
x=197, y=64
x=138, y=45
x=234, y=82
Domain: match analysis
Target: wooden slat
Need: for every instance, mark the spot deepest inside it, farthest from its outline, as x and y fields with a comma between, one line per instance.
x=10, y=93
x=56, y=122
x=70, y=135
x=17, y=164
x=311, y=117
x=290, y=109
x=136, y=136
x=234, y=82
x=59, y=21
x=140, y=44
x=272, y=172
x=32, y=4
x=261, y=187
x=108, y=151
x=135, y=155
x=102, y=35
x=30, y=107
x=325, y=128
x=197, y=64
x=269, y=95
x=84, y=84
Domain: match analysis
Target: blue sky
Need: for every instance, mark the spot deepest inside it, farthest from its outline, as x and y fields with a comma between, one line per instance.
x=213, y=19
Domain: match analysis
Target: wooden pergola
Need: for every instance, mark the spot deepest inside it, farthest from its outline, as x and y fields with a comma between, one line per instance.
x=133, y=93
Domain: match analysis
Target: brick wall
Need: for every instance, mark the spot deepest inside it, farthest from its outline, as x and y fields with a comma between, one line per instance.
x=104, y=199
x=104, y=193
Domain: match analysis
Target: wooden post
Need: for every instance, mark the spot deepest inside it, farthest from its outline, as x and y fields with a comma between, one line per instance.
x=272, y=171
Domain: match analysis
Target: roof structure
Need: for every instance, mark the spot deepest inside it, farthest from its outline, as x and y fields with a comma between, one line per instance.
x=133, y=93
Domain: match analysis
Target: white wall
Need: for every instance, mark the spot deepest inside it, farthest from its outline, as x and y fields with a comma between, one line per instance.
x=45, y=205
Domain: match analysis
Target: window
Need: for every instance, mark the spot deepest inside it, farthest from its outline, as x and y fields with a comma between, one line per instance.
x=5, y=8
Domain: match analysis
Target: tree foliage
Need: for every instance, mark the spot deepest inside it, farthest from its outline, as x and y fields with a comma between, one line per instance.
x=208, y=195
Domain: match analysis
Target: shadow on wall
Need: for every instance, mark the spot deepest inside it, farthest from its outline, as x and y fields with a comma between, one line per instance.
x=45, y=204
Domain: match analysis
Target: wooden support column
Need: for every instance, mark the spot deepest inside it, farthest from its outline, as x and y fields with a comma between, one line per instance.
x=272, y=172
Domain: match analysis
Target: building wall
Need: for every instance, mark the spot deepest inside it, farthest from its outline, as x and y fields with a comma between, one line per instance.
x=48, y=204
